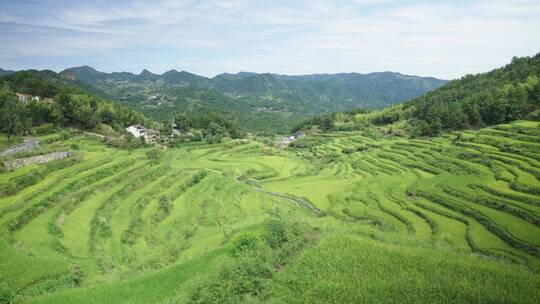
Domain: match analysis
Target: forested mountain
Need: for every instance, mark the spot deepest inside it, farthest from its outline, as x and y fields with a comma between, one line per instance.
x=271, y=102
x=505, y=94
x=268, y=102
x=502, y=95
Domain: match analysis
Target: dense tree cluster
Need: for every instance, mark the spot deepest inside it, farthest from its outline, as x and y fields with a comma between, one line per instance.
x=502, y=95
x=60, y=104
x=325, y=122
x=213, y=126
x=356, y=119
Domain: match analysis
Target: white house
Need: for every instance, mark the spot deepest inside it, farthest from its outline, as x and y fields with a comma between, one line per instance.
x=150, y=136
x=297, y=135
x=136, y=130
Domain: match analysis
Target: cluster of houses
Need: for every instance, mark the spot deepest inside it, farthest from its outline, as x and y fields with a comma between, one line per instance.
x=25, y=98
x=151, y=136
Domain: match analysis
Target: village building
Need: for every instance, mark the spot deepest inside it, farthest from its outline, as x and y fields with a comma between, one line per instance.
x=151, y=136
x=25, y=98
x=286, y=140
x=136, y=130
x=297, y=135
x=175, y=131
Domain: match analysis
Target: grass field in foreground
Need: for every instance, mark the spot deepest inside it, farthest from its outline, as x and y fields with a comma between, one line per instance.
x=448, y=219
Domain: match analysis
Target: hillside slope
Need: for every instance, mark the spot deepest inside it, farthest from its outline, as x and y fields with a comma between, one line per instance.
x=474, y=101
x=51, y=100
x=502, y=95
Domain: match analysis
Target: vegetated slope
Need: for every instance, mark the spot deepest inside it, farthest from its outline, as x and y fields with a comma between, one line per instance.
x=259, y=101
x=453, y=218
x=474, y=101
x=61, y=102
x=502, y=95
x=54, y=101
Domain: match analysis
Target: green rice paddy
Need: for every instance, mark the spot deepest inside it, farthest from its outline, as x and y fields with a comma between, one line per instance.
x=453, y=219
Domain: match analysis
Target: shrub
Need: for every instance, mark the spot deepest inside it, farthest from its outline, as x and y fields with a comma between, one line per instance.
x=247, y=241
x=154, y=154
x=277, y=233
x=213, y=139
x=372, y=133
x=243, y=279
x=349, y=150
x=64, y=135
x=44, y=129
x=128, y=142
x=7, y=295
x=75, y=276
x=535, y=115
x=164, y=208
x=246, y=277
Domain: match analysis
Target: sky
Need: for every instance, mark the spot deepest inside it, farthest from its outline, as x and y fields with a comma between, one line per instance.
x=444, y=39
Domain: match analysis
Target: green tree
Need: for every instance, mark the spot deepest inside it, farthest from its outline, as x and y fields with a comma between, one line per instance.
x=214, y=129
x=155, y=153
x=66, y=109
x=14, y=117
x=183, y=124
x=107, y=114
x=41, y=113
x=86, y=117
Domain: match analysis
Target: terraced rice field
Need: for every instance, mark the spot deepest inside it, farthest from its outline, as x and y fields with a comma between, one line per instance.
x=112, y=226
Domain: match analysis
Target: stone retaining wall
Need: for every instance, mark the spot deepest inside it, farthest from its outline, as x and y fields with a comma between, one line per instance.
x=16, y=163
x=26, y=146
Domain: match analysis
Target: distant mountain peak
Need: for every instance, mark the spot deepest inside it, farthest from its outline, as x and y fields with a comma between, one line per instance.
x=172, y=71
x=84, y=73
x=83, y=68
x=146, y=72
x=241, y=74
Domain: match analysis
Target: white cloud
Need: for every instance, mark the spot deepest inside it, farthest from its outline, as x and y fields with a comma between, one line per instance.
x=436, y=38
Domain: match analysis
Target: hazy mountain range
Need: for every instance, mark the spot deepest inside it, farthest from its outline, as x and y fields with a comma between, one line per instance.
x=5, y=72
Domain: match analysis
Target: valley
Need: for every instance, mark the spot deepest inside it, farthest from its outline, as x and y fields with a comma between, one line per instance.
x=257, y=102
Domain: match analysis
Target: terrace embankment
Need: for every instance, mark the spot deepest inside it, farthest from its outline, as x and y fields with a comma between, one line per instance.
x=39, y=159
